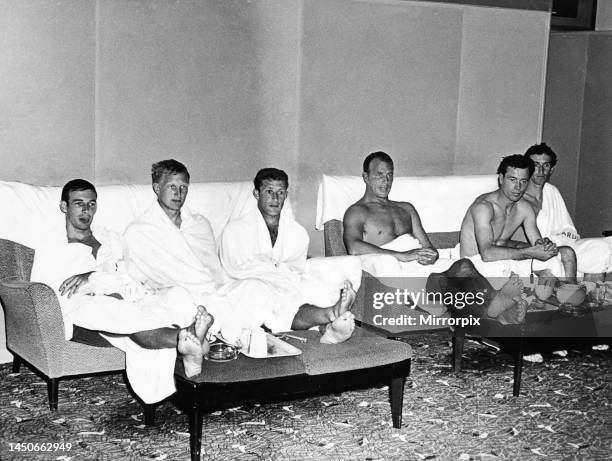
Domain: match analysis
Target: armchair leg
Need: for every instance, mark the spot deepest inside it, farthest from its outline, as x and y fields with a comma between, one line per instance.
x=16, y=363
x=149, y=414
x=53, y=391
x=396, y=394
x=399, y=371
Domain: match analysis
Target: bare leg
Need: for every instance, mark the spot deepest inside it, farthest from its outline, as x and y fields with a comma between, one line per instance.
x=164, y=338
x=161, y=338
x=462, y=276
x=568, y=258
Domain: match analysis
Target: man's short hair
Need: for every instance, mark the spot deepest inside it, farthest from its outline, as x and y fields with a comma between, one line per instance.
x=272, y=174
x=160, y=169
x=515, y=161
x=538, y=149
x=76, y=185
x=382, y=156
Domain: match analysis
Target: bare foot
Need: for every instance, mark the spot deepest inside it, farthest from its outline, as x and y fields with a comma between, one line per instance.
x=515, y=314
x=192, y=352
x=203, y=321
x=506, y=297
x=347, y=298
x=513, y=287
x=192, y=344
x=340, y=329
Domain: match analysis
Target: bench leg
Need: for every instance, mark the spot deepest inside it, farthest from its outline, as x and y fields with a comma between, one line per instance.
x=518, y=369
x=16, y=363
x=396, y=394
x=458, y=344
x=149, y=413
x=399, y=371
x=53, y=392
x=196, y=417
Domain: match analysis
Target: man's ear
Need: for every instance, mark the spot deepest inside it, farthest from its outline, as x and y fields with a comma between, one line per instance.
x=364, y=175
x=156, y=188
x=500, y=178
x=63, y=207
x=256, y=193
x=552, y=169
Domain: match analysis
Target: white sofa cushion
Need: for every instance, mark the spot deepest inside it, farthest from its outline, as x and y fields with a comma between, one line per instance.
x=441, y=201
x=29, y=213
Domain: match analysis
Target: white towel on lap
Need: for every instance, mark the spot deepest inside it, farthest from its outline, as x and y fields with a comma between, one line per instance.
x=381, y=265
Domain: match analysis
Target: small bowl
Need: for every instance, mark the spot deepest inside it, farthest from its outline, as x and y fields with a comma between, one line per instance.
x=543, y=292
x=221, y=352
x=571, y=294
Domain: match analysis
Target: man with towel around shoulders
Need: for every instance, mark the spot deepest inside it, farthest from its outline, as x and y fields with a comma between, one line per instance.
x=269, y=245
x=494, y=217
x=594, y=255
x=168, y=246
x=391, y=242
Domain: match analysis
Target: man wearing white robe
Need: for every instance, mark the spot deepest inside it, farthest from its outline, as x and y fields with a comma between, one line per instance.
x=87, y=274
x=268, y=245
x=168, y=246
x=594, y=255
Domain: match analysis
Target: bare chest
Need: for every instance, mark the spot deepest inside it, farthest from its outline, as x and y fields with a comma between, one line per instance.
x=505, y=224
x=385, y=224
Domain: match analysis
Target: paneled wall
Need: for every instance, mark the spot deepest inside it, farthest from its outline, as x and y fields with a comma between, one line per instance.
x=578, y=125
x=101, y=89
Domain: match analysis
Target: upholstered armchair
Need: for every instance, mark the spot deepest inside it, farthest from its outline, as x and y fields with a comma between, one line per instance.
x=35, y=329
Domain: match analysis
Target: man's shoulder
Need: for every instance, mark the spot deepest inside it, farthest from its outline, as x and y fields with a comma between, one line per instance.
x=356, y=210
x=525, y=207
x=483, y=203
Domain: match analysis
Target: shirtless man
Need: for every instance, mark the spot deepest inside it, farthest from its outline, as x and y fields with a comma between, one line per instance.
x=79, y=205
x=494, y=217
x=185, y=244
x=594, y=254
x=374, y=221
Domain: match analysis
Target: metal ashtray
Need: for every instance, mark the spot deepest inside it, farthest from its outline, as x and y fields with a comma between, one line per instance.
x=221, y=352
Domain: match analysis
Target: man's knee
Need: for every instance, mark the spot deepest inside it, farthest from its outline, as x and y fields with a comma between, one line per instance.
x=567, y=254
x=462, y=268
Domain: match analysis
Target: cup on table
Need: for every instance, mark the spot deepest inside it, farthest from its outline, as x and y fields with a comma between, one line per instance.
x=254, y=342
x=599, y=294
x=258, y=346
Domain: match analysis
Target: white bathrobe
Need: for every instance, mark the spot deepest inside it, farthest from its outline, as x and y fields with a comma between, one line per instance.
x=140, y=310
x=594, y=255
x=247, y=253
x=159, y=254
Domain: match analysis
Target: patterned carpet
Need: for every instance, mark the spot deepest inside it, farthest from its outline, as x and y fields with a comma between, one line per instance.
x=564, y=413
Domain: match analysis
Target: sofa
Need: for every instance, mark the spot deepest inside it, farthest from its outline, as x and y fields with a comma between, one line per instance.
x=441, y=202
x=34, y=213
